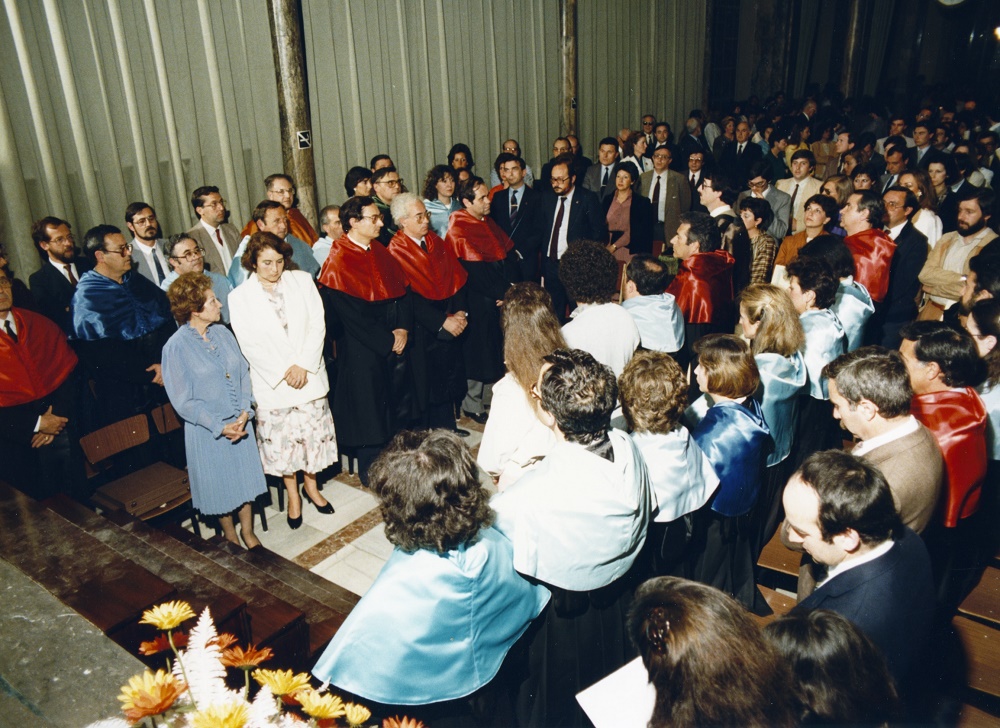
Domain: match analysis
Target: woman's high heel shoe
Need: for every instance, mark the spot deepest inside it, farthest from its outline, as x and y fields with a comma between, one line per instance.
x=294, y=523
x=326, y=510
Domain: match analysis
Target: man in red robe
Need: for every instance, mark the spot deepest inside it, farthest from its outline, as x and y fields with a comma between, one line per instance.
x=703, y=285
x=436, y=280
x=281, y=188
x=370, y=315
x=944, y=366
x=483, y=248
x=36, y=401
x=870, y=245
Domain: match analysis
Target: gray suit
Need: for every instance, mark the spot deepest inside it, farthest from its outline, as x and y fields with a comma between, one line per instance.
x=592, y=180
x=141, y=266
x=230, y=236
x=781, y=206
x=676, y=196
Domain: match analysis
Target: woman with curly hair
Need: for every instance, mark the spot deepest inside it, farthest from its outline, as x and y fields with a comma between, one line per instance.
x=439, y=197
x=707, y=659
x=436, y=625
x=514, y=439
x=208, y=383
x=460, y=157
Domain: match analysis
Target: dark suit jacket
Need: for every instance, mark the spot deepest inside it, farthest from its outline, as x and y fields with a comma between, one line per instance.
x=586, y=218
x=948, y=209
x=891, y=599
x=676, y=196
x=640, y=221
x=931, y=155
x=52, y=292
x=522, y=228
x=738, y=168
x=900, y=304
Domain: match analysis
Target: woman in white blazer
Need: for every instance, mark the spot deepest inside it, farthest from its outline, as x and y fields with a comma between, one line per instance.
x=277, y=316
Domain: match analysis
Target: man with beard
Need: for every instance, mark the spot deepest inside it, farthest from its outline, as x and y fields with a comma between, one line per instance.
x=947, y=266
x=147, y=257
x=435, y=278
x=52, y=285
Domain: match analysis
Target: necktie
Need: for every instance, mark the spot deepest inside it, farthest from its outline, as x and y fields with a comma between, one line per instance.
x=604, y=182
x=513, y=203
x=10, y=330
x=890, y=183
x=159, y=269
x=69, y=274
x=423, y=243
x=795, y=191
x=656, y=193
x=739, y=150
x=554, y=241
x=218, y=236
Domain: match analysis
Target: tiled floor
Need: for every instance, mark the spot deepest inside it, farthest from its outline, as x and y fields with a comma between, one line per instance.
x=349, y=547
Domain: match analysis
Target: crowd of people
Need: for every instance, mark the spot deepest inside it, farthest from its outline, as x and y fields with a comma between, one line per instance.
x=667, y=349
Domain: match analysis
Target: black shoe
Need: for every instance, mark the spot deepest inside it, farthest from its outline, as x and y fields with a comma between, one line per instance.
x=325, y=510
x=294, y=523
x=461, y=433
x=479, y=417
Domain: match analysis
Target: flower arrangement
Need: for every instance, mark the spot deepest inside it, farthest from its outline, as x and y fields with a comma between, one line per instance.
x=192, y=692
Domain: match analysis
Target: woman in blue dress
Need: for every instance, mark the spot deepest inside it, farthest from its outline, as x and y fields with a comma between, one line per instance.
x=208, y=382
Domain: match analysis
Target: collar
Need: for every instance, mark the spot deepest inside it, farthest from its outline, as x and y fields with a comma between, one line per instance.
x=881, y=550
x=360, y=245
x=895, y=231
x=725, y=209
x=211, y=230
x=909, y=426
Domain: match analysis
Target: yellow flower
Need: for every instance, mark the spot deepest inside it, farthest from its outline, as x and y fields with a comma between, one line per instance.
x=168, y=615
x=245, y=659
x=149, y=694
x=356, y=714
x=281, y=682
x=321, y=706
x=222, y=715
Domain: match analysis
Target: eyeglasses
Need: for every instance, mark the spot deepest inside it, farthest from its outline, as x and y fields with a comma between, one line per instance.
x=220, y=203
x=560, y=180
x=198, y=252
x=379, y=217
x=122, y=251
x=144, y=220
x=390, y=182
x=421, y=217
x=647, y=123
x=757, y=185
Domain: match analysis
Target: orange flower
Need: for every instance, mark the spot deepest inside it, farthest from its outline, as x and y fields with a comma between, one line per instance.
x=149, y=694
x=224, y=640
x=245, y=659
x=162, y=644
x=404, y=722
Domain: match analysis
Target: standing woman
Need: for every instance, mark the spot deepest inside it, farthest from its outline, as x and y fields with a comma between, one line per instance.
x=277, y=316
x=460, y=157
x=733, y=434
x=629, y=216
x=208, y=383
x=772, y=325
x=439, y=197
x=634, y=151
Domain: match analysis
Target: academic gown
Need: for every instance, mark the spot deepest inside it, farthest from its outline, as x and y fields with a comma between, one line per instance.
x=703, y=289
x=853, y=306
x=436, y=280
x=364, y=293
x=825, y=341
x=872, y=250
x=485, y=252
x=552, y=515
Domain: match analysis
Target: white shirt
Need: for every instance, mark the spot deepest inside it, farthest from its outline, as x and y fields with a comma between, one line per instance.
x=902, y=430
x=605, y=330
x=227, y=258
x=8, y=317
x=321, y=249
x=661, y=204
x=848, y=564
x=895, y=231
x=61, y=267
x=149, y=252
x=564, y=227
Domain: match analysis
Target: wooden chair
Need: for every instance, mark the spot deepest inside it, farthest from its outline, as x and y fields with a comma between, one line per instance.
x=167, y=422
x=145, y=493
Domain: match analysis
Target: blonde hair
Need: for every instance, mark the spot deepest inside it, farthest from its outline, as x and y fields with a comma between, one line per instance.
x=780, y=329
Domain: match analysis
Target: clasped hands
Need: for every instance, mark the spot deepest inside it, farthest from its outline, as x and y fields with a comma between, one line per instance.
x=236, y=430
x=49, y=427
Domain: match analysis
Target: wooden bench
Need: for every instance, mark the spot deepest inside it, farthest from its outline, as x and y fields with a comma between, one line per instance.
x=776, y=557
x=984, y=601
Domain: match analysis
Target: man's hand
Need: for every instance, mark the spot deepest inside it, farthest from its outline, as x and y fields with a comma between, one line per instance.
x=455, y=324
x=399, y=340
x=296, y=376
x=51, y=424
x=157, y=373
x=40, y=439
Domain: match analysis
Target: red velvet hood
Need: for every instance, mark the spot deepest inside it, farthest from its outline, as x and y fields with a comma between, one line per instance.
x=372, y=275
x=477, y=241
x=37, y=364
x=435, y=273
x=872, y=250
x=703, y=287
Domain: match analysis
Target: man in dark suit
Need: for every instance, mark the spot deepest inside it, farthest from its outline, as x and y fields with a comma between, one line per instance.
x=695, y=175
x=600, y=178
x=924, y=152
x=900, y=304
x=839, y=509
x=739, y=157
x=514, y=209
x=569, y=213
x=53, y=284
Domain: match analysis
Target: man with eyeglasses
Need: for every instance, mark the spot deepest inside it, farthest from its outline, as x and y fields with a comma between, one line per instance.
x=186, y=256
x=667, y=192
x=147, y=257
x=217, y=237
x=120, y=322
x=780, y=202
x=281, y=188
x=272, y=217
x=53, y=284
x=386, y=184
x=511, y=146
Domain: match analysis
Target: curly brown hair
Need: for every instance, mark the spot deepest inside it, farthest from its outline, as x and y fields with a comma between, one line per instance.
x=653, y=392
x=258, y=242
x=428, y=485
x=588, y=272
x=187, y=295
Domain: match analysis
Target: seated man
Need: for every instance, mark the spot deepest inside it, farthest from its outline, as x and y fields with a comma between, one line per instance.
x=872, y=248
x=37, y=395
x=593, y=481
x=121, y=321
x=598, y=326
x=272, y=217
x=944, y=366
x=281, y=188
x=185, y=256
x=681, y=477
x=840, y=510
x=655, y=312
x=53, y=284
x=871, y=394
